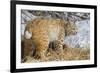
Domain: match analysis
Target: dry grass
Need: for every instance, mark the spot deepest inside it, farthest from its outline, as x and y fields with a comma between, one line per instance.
x=68, y=54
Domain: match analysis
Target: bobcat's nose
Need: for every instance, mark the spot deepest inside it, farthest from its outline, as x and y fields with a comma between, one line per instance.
x=28, y=34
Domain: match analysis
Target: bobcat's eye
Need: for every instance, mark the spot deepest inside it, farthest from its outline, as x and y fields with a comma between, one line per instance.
x=73, y=28
x=28, y=34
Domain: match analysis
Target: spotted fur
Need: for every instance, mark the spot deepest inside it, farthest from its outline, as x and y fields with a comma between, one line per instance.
x=45, y=31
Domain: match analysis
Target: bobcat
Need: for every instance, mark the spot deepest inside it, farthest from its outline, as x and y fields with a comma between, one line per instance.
x=44, y=31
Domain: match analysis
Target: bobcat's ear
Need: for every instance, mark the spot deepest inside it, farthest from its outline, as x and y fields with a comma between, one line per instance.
x=28, y=34
x=65, y=27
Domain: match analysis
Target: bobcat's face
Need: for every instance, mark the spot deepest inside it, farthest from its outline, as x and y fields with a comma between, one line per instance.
x=70, y=28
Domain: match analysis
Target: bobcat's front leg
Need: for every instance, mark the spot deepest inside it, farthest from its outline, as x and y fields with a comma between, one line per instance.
x=58, y=44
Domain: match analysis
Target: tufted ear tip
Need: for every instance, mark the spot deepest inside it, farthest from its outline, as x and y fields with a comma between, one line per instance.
x=28, y=34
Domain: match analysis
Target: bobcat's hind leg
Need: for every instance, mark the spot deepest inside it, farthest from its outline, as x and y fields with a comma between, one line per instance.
x=40, y=50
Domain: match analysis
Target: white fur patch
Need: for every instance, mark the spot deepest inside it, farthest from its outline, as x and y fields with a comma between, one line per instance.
x=53, y=34
x=28, y=35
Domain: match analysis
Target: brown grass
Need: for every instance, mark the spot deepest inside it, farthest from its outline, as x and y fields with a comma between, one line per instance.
x=68, y=54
